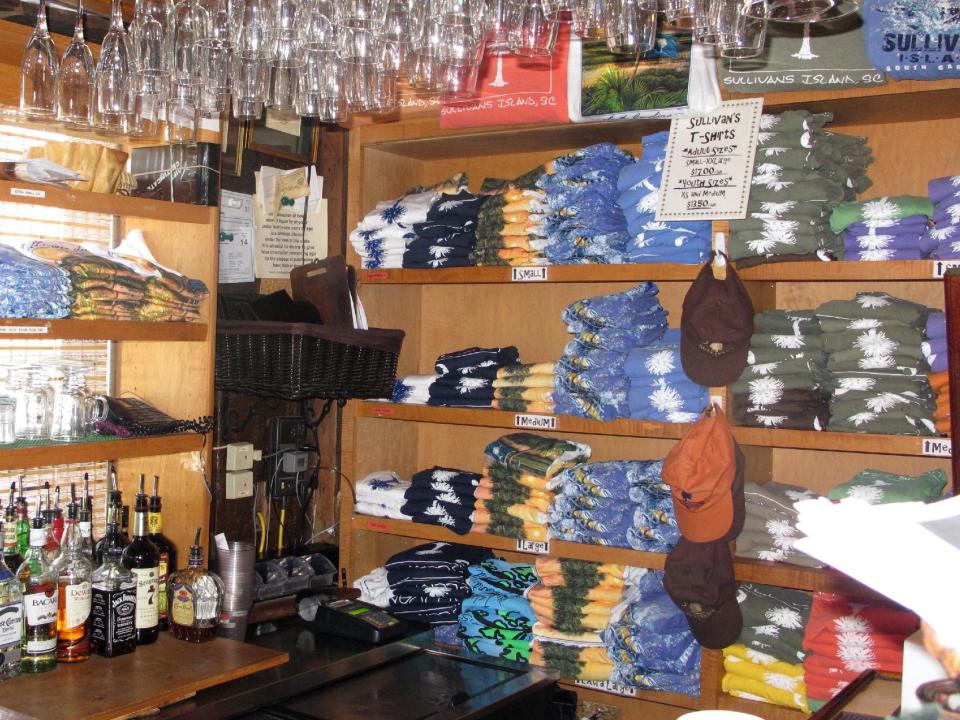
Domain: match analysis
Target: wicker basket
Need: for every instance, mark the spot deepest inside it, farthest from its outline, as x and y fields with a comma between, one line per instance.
x=300, y=361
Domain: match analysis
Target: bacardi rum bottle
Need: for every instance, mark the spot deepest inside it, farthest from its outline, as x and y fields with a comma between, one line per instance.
x=38, y=653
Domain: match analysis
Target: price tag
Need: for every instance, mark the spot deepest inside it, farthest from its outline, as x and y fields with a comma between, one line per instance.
x=376, y=525
x=937, y=447
x=383, y=411
x=939, y=267
x=607, y=687
x=535, y=422
x=538, y=547
x=528, y=274
x=375, y=275
x=27, y=192
x=24, y=329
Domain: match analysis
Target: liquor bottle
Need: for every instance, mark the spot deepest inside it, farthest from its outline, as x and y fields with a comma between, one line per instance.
x=125, y=523
x=58, y=522
x=113, y=629
x=74, y=574
x=38, y=651
x=142, y=559
x=168, y=553
x=11, y=622
x=11, y=556
x=113, y=535
x=23, y=522
x=52, y=546
x=86, y=515
x=195, y=598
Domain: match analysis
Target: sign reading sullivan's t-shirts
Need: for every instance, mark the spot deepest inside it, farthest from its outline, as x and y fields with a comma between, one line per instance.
x=709, y=163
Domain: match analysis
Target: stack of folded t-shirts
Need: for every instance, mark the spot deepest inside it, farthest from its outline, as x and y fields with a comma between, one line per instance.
x=944, y=193
x=659, y=389
x=497, y=619
x=877, y=371
x=620, y=503
x=886, y=228
x=782, y=385
x=940, y=385
x=446, y=238
x=428, y=582
x=167, y=296
x=685, y=241
x=381, y=494
x=30, y=288
x=382, y=236
x=574, y=602
x=800, y=173
x=846, y=636
x=591, y=381
x=650, y=643
x=770, y=523
x=525, y=388
x=765, y=663
x=465, y=377
x=514, y=495
x=442, y=496
x=413, y=389
x=935, y=345
x=878, y=487
x=509, y=223
x=581, y=220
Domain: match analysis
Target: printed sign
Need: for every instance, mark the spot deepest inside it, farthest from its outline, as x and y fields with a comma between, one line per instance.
x=535, y=422
x=539, y=547
x=607, y=686
x=940, y=267
x=709, y=163
x=528, y=274
x=27, y=192
x=937, y=447
x=24, y=329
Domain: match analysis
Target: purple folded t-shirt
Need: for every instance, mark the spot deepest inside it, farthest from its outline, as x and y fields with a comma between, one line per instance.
x=884, y=254
x=937, y=325
x=941, y=188
x=907, y=224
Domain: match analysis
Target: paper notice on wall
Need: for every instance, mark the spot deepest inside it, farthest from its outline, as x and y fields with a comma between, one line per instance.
x=709, y=163
x=236, y=237
x=284, y=241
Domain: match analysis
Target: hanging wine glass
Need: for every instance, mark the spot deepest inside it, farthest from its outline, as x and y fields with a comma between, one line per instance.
x=75, y=79
x=114, y=80
x=250, y=61
x=499, y=19
x=535, y=34
x=38, y=71
x=590, y=19
x=632, y=26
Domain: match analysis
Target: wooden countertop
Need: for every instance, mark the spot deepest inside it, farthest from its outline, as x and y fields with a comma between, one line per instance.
x=151, y=677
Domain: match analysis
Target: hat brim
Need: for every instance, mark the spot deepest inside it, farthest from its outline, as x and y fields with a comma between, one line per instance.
x=722, y=628
x=712, y=370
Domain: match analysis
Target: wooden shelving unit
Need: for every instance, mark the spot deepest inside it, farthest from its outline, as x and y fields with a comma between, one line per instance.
x=52, y=453
x=102, y=330
x=442, y=310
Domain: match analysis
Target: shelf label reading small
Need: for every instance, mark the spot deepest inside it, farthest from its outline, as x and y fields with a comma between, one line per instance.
x=383, y=411
x=940, y=267
x=27, y=192
x=375, y=275
x=24, y=329
x=528, y=274
x=608, y=687
x=535, y=422
x=538, y=547
x=937, y=447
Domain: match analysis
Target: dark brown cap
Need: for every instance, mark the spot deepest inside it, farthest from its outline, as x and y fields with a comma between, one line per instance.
x=699, y=579
x=715, y=328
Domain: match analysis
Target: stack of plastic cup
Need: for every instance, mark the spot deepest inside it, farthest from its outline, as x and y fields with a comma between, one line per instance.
x=235, y=565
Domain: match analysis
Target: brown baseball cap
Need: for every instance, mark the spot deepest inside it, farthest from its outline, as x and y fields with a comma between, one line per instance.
x=701, y=470
x=715, y=328
x=699, y=579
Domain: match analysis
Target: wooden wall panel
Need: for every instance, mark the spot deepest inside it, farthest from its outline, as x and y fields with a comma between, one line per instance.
x=798, y=295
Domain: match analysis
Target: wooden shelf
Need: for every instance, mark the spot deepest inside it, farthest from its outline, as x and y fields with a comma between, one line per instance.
x=753, y=707
x=795, y=439
x=106, y=203
x=587, y=692
x=101, y=330
x=54, y=453
x=746, y=570
x=809, y=271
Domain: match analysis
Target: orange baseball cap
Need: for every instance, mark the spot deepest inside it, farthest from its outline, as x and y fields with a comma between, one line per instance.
x=700, y=470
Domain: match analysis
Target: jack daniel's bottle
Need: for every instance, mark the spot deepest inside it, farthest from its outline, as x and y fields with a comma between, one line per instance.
x=113, y=629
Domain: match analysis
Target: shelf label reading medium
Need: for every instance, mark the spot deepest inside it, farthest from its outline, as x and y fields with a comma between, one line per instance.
x=535, y=422
x=27, y=192
x=540, y=547
x=937, y=447
x=607, y=686
x=24, y=329
x=940, y=267
x=528, y=274
x=709, y=163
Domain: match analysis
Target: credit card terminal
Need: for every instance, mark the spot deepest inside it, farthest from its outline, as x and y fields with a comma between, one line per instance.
x=357, y=620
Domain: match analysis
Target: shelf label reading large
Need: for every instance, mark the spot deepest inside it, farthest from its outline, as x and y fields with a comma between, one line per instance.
x=27, y=192
x=535, y=422
x=538, y=547
x=940, y=267
x=24, y=329
x=709, y=163
x=608, y=687
x=528, y=274
x=937, y=447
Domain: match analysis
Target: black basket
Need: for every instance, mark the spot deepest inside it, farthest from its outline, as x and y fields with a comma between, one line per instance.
x=301, y=361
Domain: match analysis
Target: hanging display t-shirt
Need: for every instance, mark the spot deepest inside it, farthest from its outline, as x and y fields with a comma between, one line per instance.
x=914, y=39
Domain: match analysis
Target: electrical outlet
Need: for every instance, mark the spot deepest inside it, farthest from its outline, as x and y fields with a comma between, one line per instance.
x=239, y=456
x=239, y=484
x=287, y=436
